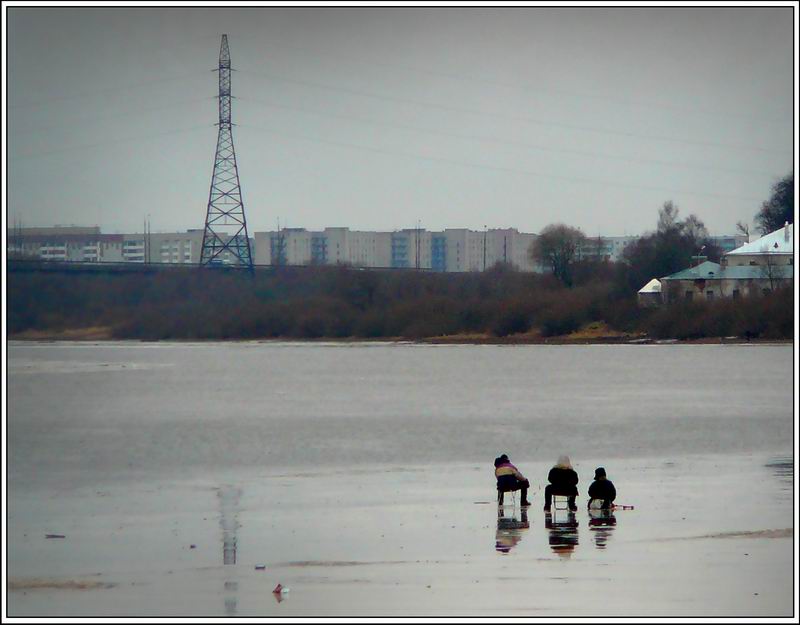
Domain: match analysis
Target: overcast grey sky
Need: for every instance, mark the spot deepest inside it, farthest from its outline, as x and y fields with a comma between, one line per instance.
x=374, y=118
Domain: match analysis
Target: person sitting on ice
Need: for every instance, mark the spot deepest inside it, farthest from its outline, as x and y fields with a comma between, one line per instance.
x=563, y=482
x=602, y=492
x=510, y=479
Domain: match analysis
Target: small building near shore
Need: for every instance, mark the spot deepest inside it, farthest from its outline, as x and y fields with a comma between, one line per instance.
x=650, y=294
x=709, y=281
x=757, y=268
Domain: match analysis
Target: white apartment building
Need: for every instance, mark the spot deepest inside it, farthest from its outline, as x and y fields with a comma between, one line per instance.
x=369, y=249
x=181, y=248
x=336, y=246
x=450, y=250
x=456, y=249
x=411, y=248
x=609, y=249
x=289, y=246
x=332, y=246
x=298, y=246
x=612, y=248
x=133, y=248
x=456, y=245
x=729, y=242
x=509, y=246
x=475, y=250
x=66, y=243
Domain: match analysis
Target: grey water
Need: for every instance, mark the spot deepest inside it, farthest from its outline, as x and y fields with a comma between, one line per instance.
x=117, y=410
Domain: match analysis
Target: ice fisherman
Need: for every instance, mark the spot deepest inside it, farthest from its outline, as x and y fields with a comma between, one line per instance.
x=563, y=481
x=601, y=491
x=510, y=479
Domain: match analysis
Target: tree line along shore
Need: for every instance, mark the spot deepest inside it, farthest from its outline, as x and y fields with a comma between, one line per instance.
x=498, y=305
x=584, y=300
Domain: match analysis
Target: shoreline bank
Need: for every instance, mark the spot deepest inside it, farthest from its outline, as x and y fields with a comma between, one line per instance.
x=104, y=334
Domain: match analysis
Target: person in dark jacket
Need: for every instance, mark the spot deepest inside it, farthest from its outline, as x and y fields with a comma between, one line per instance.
x=563, y=481
x=602, y=490
x=510, y=479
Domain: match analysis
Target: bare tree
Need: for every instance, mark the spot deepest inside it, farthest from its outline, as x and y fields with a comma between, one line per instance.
x=743, y=228
x=592, y=249
x=772, y=270
x=694, y=228
x=668, y=218
x=278, y=249
x=557, y=247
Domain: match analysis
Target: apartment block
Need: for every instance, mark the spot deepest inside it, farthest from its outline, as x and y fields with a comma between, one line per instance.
x=411, y=248
x=605, y=248
x=449, y=250
x=333, y=246
x=729, y=242
x=181, y=248
x=456, y=249
x=613, y=248
x=66, y=243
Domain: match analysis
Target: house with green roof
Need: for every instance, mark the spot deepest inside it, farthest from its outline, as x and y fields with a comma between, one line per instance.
x=756, y=268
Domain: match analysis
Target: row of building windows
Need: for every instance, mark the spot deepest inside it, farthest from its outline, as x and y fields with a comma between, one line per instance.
x=710, y=295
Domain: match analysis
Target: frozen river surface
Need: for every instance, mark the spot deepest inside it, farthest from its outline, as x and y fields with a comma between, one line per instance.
x=358, y=475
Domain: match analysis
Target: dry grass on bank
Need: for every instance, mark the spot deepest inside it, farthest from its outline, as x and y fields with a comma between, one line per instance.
x=94, y=333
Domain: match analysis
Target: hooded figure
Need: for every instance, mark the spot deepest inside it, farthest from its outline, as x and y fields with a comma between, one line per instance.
x=601, y=490
x=510, y=479
x=563, y=481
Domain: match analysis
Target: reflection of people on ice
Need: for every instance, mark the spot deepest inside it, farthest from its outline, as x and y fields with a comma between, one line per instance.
x=602, y=492
x=510, y=479
x=602, y=523
x=563, y=482
x=509, y=530
x=563, y=537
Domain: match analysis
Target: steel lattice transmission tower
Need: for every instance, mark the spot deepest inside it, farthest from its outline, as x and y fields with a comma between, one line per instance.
x=226, y=226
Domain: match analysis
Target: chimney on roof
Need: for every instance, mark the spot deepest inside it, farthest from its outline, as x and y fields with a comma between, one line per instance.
x=786, y=234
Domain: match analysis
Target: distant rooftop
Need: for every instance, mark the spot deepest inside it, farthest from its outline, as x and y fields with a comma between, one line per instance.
x=654, y=286
x=779, y=242
x=703, y=271
x=714, y=271
x=58, y=230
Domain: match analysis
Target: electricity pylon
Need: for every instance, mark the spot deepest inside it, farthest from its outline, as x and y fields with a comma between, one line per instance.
x=225, y=239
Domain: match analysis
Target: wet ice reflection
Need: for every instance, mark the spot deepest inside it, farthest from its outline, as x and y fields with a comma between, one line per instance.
x=783, y=468
x=230, y=606
x=601, y=524
x=562, y=530
x=509, y=528
x=229, y=521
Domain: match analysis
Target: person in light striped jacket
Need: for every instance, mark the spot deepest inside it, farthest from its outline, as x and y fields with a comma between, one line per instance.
x=510, y=479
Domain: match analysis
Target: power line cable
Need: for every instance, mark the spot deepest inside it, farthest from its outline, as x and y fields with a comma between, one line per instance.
x=520, y=86
x=92, y=118
x=519, y=118
x=89, y=146
x=520, y=144
x=86, y=94
x=436, y=159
